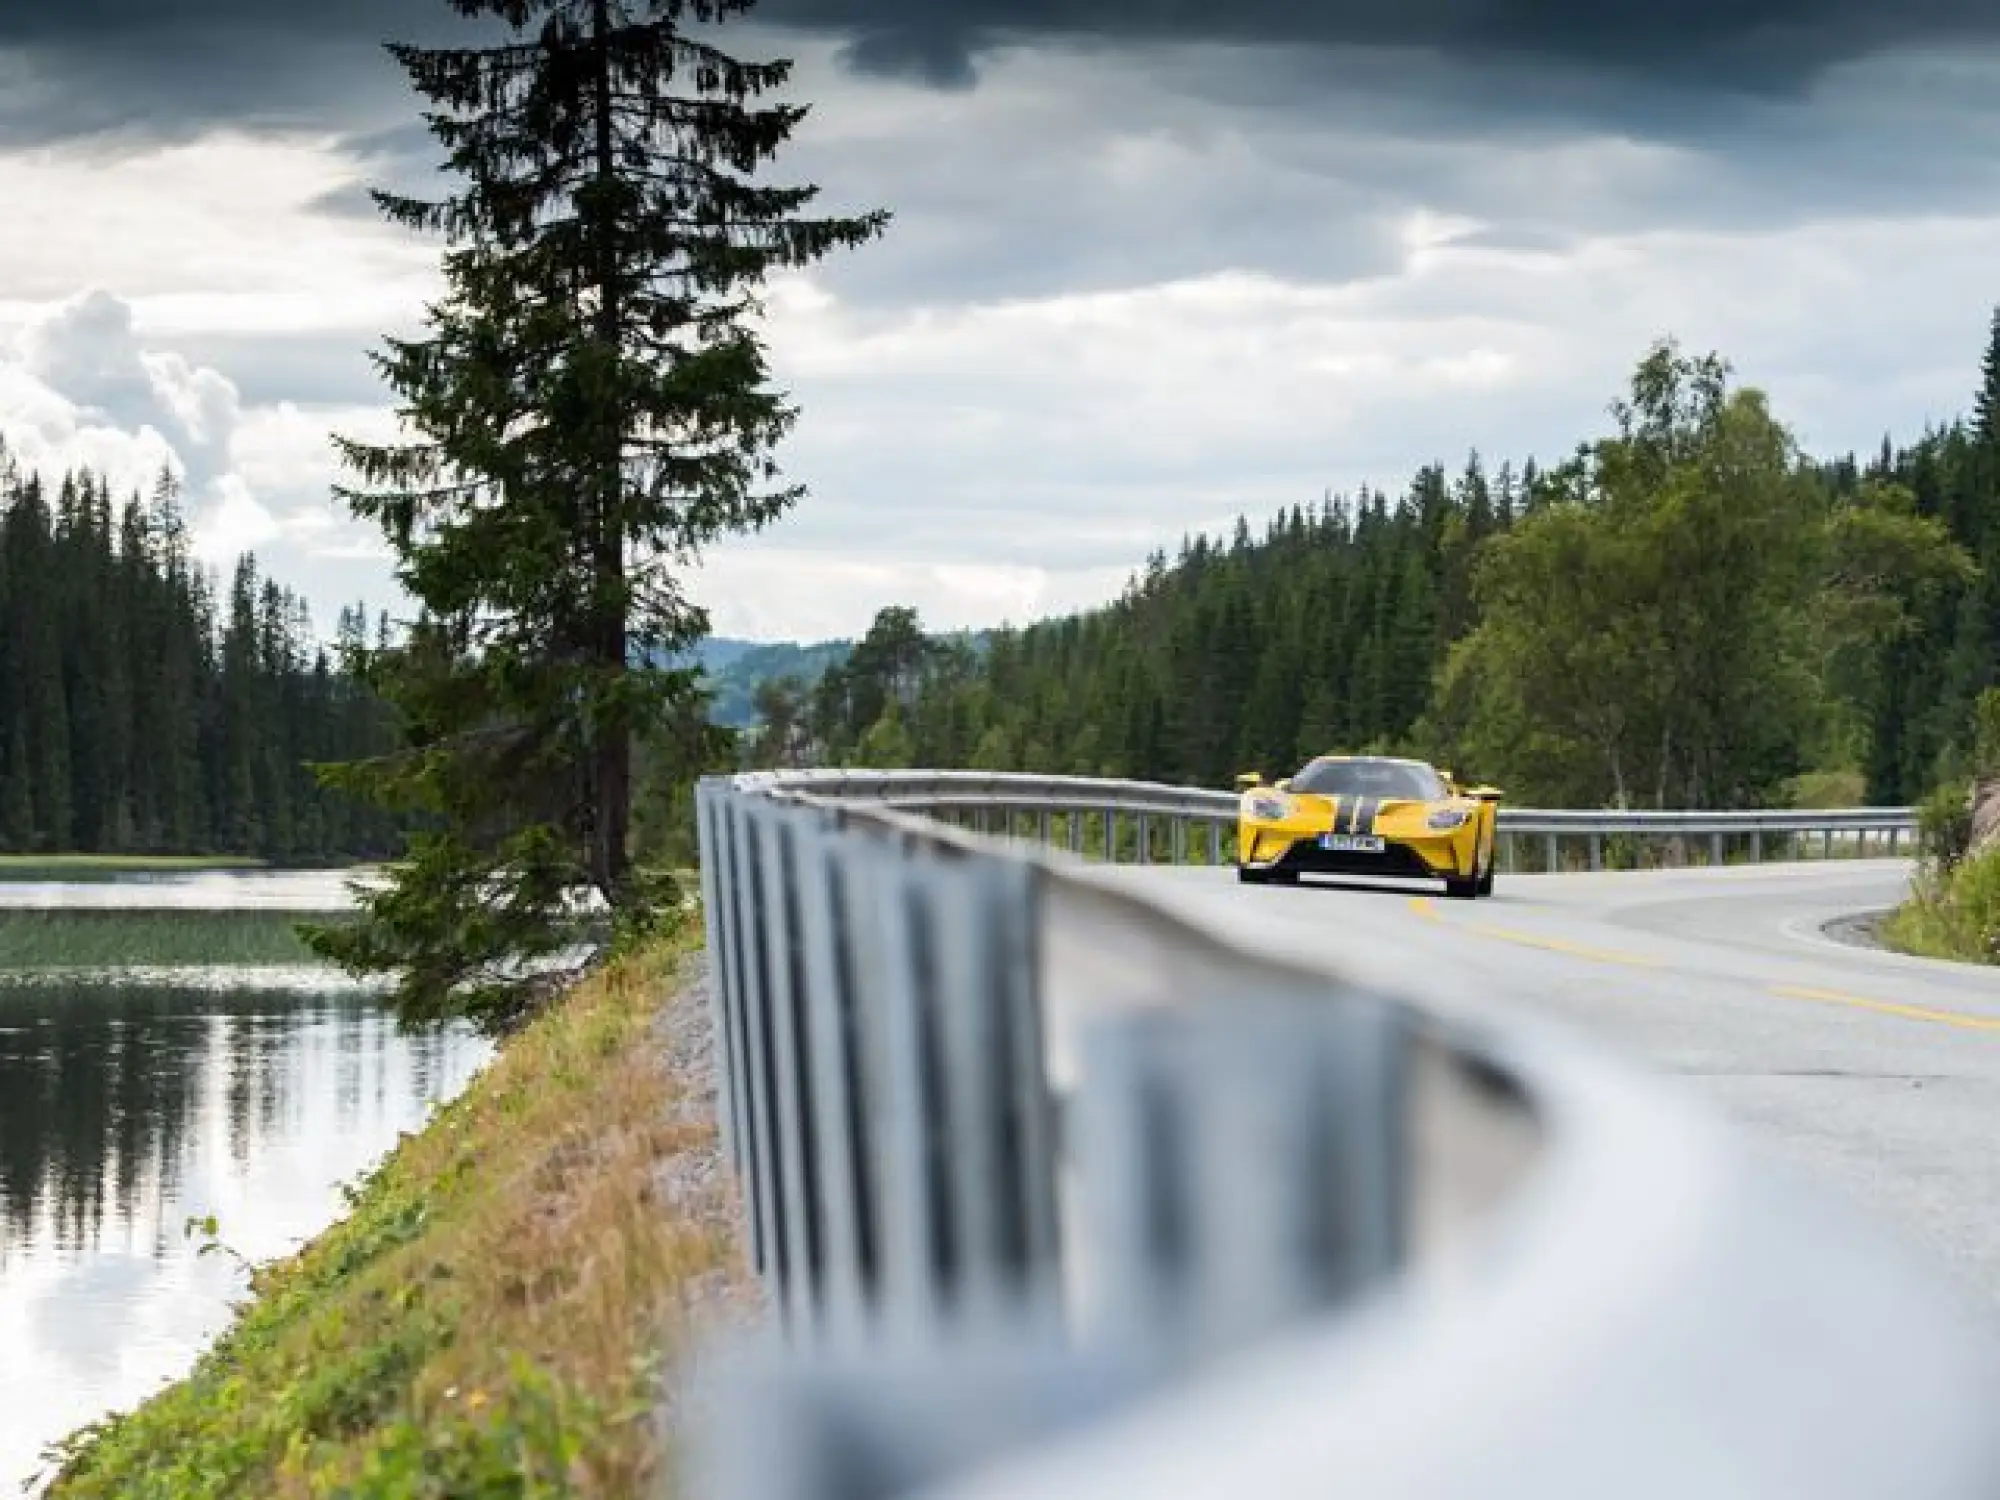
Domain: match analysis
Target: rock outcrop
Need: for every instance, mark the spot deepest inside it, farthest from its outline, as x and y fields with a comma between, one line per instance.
x=1985, y=803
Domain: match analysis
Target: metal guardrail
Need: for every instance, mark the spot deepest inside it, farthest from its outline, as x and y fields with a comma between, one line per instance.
x=1849, y=829
x=1061, y=1192
x=1171, y=824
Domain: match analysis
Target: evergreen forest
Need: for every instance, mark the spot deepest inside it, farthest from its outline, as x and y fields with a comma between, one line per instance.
x=147, y=708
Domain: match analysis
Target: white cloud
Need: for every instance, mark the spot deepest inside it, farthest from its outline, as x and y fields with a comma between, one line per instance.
x=83, y=391
x=770, y=592
x=232, y=524
x=90, y=396
x=220, y=233
x=47, y=432
x=87, y=353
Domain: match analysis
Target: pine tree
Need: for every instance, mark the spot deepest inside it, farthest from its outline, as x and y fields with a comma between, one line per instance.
x=1986, y=405
x=590, y=406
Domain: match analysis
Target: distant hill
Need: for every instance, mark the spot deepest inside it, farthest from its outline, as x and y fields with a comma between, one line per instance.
x=736, y=668
x=720, y=653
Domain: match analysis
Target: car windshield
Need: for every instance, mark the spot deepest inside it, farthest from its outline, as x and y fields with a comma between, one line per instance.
x=1370, y=778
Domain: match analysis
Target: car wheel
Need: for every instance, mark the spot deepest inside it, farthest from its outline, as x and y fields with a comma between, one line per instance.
x=1247, y=876
x=1486, y=881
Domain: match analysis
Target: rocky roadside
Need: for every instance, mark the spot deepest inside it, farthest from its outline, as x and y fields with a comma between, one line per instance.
x=1860, y=930
x=720, y=1309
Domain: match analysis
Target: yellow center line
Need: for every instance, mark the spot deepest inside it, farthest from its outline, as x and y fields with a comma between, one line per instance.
x=1574, y=950
x=1889, y=1008
x=1426, y=907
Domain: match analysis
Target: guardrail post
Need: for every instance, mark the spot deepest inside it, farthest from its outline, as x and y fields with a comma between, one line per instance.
x=899, y=1090
x=1895, y=835
x=1182, y=1241
x=798, y=1218
x=841, y=1185
x=1079, y=822
x=1555, y=859
x=1045, y=826
x=760, y=1136
x=718, y=898
x=1215, y=844
x=1597, y=851
x=1111, y=835
x=995, y=1152
x=1180, y=841
x=1756, y=846
x=1715, y=849
x=1829, y=843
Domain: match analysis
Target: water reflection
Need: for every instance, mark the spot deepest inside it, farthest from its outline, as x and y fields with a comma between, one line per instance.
x=125, y=1110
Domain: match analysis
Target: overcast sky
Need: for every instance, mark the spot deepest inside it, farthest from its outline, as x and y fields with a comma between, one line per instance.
x=1154, y=262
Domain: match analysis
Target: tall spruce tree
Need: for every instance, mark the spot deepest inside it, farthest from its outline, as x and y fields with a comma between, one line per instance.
x=591, y=406
x=1986, y=404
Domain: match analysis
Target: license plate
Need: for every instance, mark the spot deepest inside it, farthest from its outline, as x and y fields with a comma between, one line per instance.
x=1351, y=843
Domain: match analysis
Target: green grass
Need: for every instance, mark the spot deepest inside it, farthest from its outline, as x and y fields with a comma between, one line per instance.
x=1921, y=930
x=490, y=1318
x=1953, y=916
x=84, y=866
x=72, y=938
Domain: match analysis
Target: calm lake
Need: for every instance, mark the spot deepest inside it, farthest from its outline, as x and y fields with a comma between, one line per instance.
x=135, y=1097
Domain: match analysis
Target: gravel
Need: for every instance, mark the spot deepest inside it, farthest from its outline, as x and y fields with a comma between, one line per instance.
x=1861, y=930
x=724, y=1307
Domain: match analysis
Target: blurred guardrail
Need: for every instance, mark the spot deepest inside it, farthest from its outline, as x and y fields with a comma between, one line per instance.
x=1068, y=1192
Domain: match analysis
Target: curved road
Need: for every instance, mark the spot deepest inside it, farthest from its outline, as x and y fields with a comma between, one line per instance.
x=1876, y=1074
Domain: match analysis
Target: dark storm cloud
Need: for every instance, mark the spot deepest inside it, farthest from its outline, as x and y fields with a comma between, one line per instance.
x=74, y=67
x=1760, y=45
x=107, y=69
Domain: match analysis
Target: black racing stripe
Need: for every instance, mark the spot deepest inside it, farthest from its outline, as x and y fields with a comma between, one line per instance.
x=1365, y=810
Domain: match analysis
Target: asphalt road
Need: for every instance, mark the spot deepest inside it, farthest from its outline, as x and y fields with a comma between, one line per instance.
x=1877, y=1075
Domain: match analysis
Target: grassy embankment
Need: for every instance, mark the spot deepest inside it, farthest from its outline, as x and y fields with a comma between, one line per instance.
x=1954, y=914
x=489, y=1318
x=83, y=938
x=1953, y=910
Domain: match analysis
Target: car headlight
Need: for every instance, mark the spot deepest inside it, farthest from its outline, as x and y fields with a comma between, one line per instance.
x=1269, y=809
x=1446, y=818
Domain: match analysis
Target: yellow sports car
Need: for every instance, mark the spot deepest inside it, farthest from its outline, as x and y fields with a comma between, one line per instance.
x=1367, y=815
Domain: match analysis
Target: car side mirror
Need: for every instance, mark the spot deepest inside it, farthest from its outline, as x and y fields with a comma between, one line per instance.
x=1285, y=785
x=1485, y=793
x=1249, y=779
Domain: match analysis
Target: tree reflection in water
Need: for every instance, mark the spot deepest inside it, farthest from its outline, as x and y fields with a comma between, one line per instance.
x=127, y=1108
